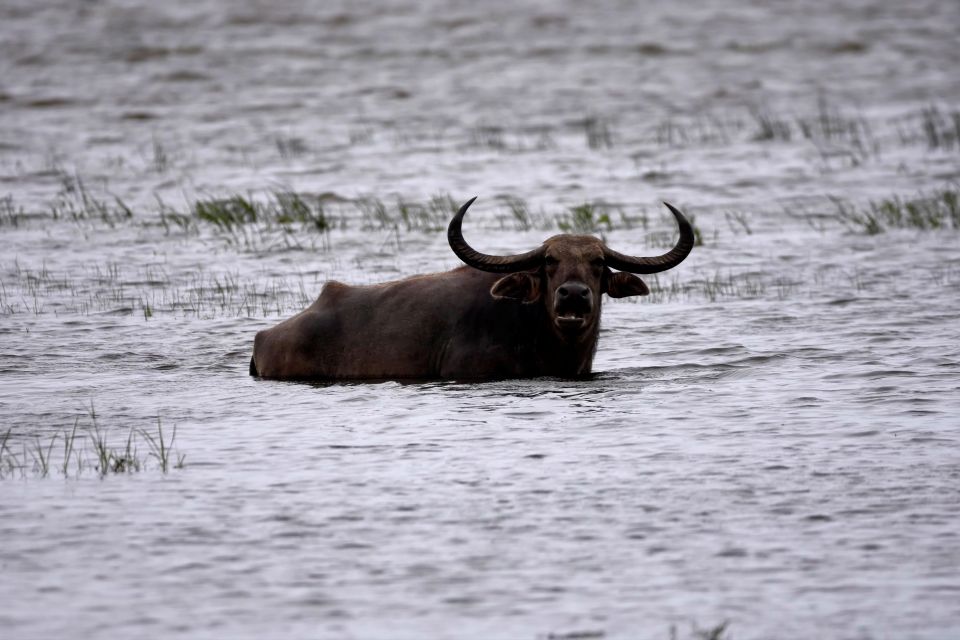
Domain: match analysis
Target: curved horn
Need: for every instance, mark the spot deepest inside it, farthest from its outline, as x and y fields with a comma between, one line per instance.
x=477, y=260
x=656, y=264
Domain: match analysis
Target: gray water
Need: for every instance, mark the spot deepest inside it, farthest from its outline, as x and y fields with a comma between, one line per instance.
x=771, y=439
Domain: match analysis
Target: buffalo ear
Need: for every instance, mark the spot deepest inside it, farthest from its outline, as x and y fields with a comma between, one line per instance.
x=522, y=286
x=621, y=285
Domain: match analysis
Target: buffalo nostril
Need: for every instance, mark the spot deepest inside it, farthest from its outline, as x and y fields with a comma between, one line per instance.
x=574, y=297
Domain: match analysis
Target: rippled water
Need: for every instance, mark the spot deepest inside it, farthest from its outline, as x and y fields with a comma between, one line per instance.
x=771, y=438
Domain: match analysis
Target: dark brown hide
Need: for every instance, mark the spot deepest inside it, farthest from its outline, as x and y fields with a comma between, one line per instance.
x=445, y=325
x=468, y=323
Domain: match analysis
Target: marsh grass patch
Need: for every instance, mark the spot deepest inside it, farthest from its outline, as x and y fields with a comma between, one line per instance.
x=149, y=290
x=834, y=131
x=937, y=211
x=718, y=286
x=936, y=126
x=11, y=215
x=91, y=449
x=75, y=201
x=696, y=632
x=598, y=132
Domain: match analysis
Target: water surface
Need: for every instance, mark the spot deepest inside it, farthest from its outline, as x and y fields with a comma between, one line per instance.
x=770, y=439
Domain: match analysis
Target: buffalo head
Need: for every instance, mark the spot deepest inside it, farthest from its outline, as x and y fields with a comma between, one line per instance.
x=569, y=273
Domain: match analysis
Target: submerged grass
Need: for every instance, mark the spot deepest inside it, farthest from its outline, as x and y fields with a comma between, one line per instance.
x=11, y=215
x=715, y=632
x=75, y=201
x=592, y=217
x=283, y=219
x=161, y=449
x=283, y=207
x=37, y=458
x=935, y=126
x=227, y=213
x=149, y=290
x=717, y=287
x=937, y=211
x=835, y=132
x=430, y=216
x=152, y=293
x=828, y=123
x=585, y=218
x=597, y=132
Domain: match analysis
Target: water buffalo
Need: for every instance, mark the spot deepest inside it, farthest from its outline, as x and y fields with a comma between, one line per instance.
x=527, y=315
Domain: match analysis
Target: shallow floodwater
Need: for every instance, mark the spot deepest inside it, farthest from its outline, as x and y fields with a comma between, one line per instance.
x=770, y=439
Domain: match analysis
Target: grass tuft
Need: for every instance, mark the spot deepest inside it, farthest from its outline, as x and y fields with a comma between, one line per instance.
x=488, y=137
x=68, y=445
x=520, y=212
x=940, y=130
x=717, y=632
x=585, y=218
x=42, y=457
x=10, y=214
x=227, y=213
x=290, y=147
x=597, y=133
x=105, y=460
x=76, y=202
x=160, y=449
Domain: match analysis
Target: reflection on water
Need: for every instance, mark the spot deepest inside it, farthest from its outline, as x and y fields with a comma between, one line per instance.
x=769, y=439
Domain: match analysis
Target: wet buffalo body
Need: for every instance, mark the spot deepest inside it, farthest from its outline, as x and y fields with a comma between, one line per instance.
x=532, y=314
